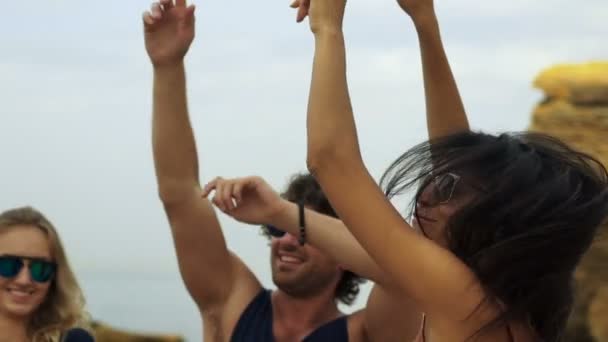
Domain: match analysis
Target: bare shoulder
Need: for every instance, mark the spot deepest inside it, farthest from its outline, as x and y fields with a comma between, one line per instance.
x=219, y=321
x=509, y=333
x=470, y=329
x=389, y=316
x=523, y=332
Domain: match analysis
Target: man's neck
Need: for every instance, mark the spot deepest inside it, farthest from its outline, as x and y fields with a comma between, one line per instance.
x=13, y=330
x=303, y=313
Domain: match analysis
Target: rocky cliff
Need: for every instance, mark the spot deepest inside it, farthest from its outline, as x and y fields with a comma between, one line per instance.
x=575, y=109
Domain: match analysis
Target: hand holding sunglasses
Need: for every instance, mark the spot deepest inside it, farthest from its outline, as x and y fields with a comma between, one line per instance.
x=41, y=270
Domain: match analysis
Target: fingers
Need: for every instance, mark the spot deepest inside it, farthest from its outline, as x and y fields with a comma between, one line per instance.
x=303, y=7
x=210, y=186
x=156, y=11
x=155, y=14
x=217, y=186
x=180, y=3
x=237, y=192
x=148, y=20
x=229, y=193
x=191, y=9
x=226, y=196
x=226, y=192
x=167, y=4
x=190, y=13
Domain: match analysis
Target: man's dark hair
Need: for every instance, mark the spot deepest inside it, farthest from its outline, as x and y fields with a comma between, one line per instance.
x=304, y=187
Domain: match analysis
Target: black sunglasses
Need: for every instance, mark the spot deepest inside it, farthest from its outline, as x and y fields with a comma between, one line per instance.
x=41, y=271
x=274, y=231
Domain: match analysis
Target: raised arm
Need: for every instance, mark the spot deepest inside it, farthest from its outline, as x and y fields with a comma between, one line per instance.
x=207, y=268
x=427, y=273
x=445, y=112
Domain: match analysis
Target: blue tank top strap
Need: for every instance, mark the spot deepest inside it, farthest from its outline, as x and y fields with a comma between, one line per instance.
x=255, y=324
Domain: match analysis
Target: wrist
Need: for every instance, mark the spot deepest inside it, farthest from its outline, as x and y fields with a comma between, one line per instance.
x=328, y=33
x=285, y=214
x=425, y=21
x=168, y=67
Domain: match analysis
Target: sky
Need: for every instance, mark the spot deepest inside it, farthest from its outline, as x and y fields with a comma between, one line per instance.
x=75, y=91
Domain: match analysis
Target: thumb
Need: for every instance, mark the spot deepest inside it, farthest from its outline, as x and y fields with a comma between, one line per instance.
x=190, y=12
x=303, y=10
x=189, y=16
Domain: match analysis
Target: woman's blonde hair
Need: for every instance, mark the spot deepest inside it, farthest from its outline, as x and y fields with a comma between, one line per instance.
x=63, y=307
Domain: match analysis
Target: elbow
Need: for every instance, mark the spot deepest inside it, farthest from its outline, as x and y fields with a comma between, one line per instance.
x=171, y=192
x=331, y=158
x=318, y=158
x=166, y=194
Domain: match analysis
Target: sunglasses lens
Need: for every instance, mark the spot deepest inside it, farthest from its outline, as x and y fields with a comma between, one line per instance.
x=274, y=231
x=444, y=187
x=42, y=271
x=10, y=266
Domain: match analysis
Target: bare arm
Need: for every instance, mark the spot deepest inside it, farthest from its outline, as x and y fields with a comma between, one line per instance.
x=430, y=275
x=332, y=237
x=389, y=316
x=206, y=266
x=257, y=203
x=445, y=111
x=201, y=250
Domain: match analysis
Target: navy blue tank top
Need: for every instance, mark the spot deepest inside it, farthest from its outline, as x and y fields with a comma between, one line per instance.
x=255, y=324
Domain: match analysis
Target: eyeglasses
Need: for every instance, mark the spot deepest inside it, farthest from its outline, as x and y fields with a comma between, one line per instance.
x=41, y=271
x=443, y=187
x=274, y=231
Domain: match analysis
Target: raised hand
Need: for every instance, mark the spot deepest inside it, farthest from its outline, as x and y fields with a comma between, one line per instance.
x=169, y=31
x=417, y=8
x=323, y=14
x=302, y=6
x=249, y=200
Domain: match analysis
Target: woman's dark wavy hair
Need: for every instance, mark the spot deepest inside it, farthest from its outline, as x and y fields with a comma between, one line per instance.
x=304, y=187
x=524, y=234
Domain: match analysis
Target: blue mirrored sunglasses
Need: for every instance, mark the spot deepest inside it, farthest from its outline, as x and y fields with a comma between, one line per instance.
x=41, y=271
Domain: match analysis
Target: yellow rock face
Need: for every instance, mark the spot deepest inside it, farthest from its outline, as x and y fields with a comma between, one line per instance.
x=583, y=127
x=598, y=311
x=577, y=84
x=576, y=111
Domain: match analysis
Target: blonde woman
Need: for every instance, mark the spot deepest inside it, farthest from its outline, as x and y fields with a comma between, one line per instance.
x=40, y=298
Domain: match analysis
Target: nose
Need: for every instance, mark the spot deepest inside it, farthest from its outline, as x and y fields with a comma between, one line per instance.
x=287, y=237
x=425, y=198
x=289, y=241
x=23, y=277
